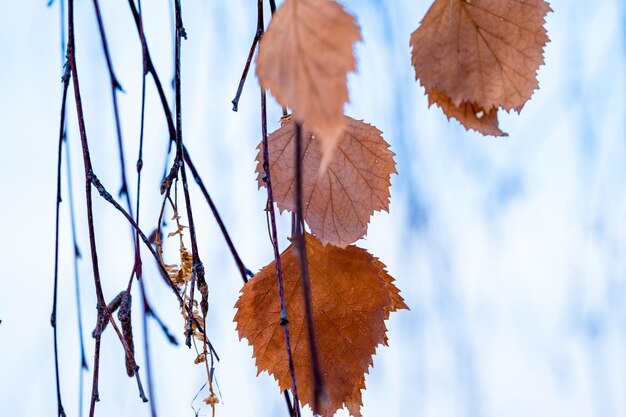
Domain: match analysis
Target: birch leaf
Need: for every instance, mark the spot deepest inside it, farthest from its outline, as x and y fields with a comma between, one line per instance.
x=304, y=59
x=352, y=297
x=470, y=115
x=339, y=201
x=485, y=52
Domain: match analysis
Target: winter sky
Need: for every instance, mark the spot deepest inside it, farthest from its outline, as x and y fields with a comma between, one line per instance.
x=509, y=252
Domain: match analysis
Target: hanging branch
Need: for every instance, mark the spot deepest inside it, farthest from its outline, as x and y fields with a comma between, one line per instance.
x=137, y=268
x=284, y=322
x=103, y=311
x=115, y=87
x=146, y=309
x=197, y=275
x=146, y=344
x=293, y=411
x=109, y=198
x=290, y=408
x=198, y=269
x=63, y=140
x=70, y=192
x=318, y=383
x=77, y=255
x=53, y=316
x=246, y=68
x=150, y=69
x=245, y=272
x=91, y=179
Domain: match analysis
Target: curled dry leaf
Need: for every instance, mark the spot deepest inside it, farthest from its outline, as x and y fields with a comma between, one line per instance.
x=211, y=400
x=483, y=52
x=339, y=201
x=304, y=59
x=352, y=296
x=471, y=115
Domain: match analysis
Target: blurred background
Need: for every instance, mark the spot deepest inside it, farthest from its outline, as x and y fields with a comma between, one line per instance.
x=509, y=252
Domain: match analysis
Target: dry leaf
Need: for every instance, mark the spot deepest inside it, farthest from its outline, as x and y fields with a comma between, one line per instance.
x=304, y=59
x=485, y=52
x=211, y=400
x=470, y=115
x=338, y=202
x=352, y=297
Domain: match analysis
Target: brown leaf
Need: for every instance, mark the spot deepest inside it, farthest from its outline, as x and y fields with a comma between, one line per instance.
x=469, y=114
x=338, y=202
x=352, y=297
x=304, y=59
x=485, y=52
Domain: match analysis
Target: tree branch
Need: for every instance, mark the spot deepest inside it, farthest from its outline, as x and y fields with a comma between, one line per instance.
x=318, y=383
x=273, y=234
x=108, y=197
x=245, y=272
x=53, y=315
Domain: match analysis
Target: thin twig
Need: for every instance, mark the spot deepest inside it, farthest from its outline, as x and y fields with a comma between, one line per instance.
x=83, y=365
x=198, y=269
x=115, y=87
x=77, y=254
x=197, y=274
x=53, y=316
x=246, y=68
x=106, y=316
x=87, y=166
x=95, y=395
x=124, y=192
x=318, y=383
x=146, y=346
x=89, y=180
x=109, y=198
x=168, y=335
x=244, y=75
x=290, y=408
x=284, y=322
x=152, y=71
x=164, y=104
x=146, y=308
x=245, y=272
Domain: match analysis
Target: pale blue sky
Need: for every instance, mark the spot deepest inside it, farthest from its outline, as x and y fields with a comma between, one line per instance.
x=510, y=252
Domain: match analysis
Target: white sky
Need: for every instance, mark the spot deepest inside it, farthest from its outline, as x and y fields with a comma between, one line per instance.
x=508, y=251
